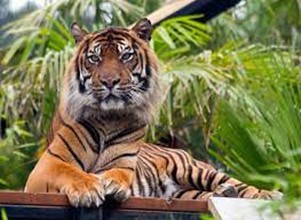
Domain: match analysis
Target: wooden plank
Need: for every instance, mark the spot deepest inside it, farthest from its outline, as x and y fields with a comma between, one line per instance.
x=156, y=204
x=133, y=203
x=241, y=209
x=20, y=198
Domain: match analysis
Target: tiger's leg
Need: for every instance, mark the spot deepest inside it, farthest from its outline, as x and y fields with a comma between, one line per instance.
x=62, y=169
x=224, y=190
x=53, y=175
x=116, y=169
x=211, y=180
x=190, y=173
x=117, y=182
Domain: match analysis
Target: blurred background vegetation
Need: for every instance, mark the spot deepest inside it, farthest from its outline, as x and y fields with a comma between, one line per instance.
x=234, y=96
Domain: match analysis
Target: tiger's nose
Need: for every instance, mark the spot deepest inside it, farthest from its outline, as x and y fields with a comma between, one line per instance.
x=110, y=82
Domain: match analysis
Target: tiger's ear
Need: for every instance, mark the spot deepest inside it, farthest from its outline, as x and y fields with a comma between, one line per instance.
x=77, y=32
x=143, y=29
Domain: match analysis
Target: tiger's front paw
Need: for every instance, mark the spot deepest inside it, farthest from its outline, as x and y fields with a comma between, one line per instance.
x=264, y=194
x=225, y=190
x=118, y=191
x=85, y=191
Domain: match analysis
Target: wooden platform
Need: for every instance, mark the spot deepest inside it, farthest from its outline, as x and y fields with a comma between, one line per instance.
x=20, y=205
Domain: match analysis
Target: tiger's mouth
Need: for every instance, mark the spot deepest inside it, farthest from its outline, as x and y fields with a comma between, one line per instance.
x=111, y=97
x=113, y=100
x=112, y=103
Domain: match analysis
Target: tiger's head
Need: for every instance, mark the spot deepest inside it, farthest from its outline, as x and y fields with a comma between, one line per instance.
x=112, y=71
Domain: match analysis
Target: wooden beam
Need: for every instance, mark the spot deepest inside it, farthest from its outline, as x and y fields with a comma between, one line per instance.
x=133, y=203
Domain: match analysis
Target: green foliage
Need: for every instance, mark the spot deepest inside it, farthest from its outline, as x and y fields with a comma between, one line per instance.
x=178, y=37
x=3, y=214
x=206, y=217
x=259, y=136
x=15, y=151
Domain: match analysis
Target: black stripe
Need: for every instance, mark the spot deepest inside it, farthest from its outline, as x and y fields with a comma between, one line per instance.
x=206, y=175
x=86, y=78
x=104, y=169
x=91, y=130
x=120, y=156
x=140, y=56
x=81, y=85
x=145, y=85
x=150, y=177
x=179, y=154
x=135, y=45
x=127, y=168
x=77, y=69
x=197, y=195
x=119, y=39
x=174, y=171
x=181, y=193
x=241, y=187
x=194, y=163
x=132, y=189
x=123, y=133
x=199, y=180
x=156, y=174
x=161, y=185
x=170, y=157
x=190, y=179
x=119, y=31
x=114, y=142
x=98, y=35
x=239, y=184
x=147, y=65
x=224, y=179
x=74, y=155
x=55, y=155
x=104, y=35
x=93, y=146
x=243, y=193
x=139, y=182
x=210, y=180
x=74, y=132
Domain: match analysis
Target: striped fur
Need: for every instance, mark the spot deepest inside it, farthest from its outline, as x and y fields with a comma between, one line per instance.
x=95, y=146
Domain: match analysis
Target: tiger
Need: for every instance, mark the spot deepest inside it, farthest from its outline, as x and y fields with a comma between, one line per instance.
x=110, y=92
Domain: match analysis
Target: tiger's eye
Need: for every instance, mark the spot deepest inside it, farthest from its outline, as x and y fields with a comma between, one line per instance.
x=93, y=59
x=126, y=56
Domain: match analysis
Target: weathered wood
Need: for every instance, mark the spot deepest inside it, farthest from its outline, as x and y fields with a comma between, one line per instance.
x=30, y=206
x=133, y=203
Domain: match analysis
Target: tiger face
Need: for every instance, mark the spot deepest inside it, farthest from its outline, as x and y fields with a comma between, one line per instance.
x=113, y=69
